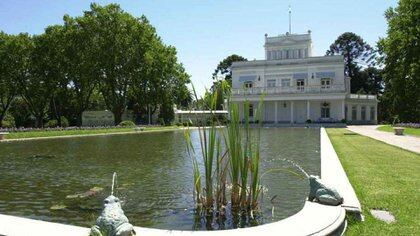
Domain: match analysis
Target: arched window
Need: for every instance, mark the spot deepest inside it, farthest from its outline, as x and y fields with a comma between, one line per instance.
x=363, y=112
x=354, y=113
x=325, y=110
x=251, y=110
x=372, y=113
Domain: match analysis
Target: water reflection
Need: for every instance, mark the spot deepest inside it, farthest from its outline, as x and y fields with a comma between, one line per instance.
x=154, y=178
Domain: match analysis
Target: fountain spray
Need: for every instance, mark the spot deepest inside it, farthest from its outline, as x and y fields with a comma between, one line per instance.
x=114, y=177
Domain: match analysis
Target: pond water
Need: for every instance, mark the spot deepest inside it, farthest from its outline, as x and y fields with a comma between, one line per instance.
x=155, y=181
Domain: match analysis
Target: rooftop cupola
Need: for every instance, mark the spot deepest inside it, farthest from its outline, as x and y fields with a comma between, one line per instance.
x=288, y=46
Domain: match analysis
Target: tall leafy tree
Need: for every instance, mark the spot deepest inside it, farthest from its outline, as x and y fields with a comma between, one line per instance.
x=16, y=58
x=401, y=59
x=223, y=69
x=9, y=65
x=160, y=80
x=51, y=64
x=80, y=62
x=38, y=86
x=119, y=56
x=106, y=56
x=222, y=80
x=356, y=52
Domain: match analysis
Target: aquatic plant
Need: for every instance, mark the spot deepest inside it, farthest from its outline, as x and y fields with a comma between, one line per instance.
x=230, y=168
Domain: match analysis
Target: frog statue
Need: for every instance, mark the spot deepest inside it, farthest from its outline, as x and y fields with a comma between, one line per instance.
x=319, y=192
x=112, y=221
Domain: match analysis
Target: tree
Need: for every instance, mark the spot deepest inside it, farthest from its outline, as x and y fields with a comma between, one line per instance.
x=222, y=80
x=161, y=81
x=80, y=62
x=401, y=58
x=16, y=61
x=54, y=63
x=356, y=52
x=9, y=65
x=38, y=85
x=119, y=38
x=224, y=67
x=106, y=57
x=372, y=80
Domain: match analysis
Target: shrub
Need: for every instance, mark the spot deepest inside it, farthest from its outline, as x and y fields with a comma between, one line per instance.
x=64, y=122
x=166, y=112
x=161, y=121
x=51, y=124
x=127, y=123
x=55, y=124
x=308, y=121
x=8, y=122
x=343, y=121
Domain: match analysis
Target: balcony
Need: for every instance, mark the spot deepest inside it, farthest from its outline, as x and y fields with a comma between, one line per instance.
x=362, y=96
x=314, y=89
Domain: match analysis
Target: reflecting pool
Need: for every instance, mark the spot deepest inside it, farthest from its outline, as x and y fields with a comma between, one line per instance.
x=38, y=179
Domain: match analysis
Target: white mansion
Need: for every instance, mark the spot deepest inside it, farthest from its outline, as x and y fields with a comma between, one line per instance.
x=297, y=86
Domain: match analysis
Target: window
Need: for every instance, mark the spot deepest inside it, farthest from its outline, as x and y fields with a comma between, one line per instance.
x=287, y=54
x=285, y=82
x=325, y=83
x=251, y=110
x=271, y=83
x=296, y=53
x=248, y=84
x=269, y=55
x=354, y=113
x=346, y=111
x=325, y=110
x=363, y=113
x=300, y=85
x=372, y=113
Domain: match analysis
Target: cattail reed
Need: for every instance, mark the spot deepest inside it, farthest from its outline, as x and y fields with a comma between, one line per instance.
x=230, y=157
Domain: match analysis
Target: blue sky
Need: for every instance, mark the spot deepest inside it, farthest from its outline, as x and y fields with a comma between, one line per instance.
x=204, y=31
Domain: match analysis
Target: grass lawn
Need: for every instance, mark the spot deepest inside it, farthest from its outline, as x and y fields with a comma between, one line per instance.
x=384, y=177
x=45, y=133
x=409, y=131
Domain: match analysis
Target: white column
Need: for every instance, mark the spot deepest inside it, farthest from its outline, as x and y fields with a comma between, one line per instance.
x=343, y=110
x=376, y=113
x=292, y=117
x=368, y=118
x=275, y=112
x=308, y=110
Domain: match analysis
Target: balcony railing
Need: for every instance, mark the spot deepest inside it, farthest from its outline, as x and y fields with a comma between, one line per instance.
x=361, y=96
x=314, y=89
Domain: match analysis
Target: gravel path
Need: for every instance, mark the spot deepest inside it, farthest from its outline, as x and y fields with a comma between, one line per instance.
x=407, y=142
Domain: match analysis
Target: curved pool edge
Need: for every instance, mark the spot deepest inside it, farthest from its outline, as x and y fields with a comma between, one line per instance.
x=313, y=219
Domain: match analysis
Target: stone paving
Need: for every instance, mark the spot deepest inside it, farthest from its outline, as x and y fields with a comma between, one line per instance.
x=407, y=142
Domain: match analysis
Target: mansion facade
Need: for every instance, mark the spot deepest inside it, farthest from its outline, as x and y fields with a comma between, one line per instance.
x=298, y=87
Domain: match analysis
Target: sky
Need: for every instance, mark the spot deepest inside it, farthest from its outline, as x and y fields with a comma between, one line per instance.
x=206, y=31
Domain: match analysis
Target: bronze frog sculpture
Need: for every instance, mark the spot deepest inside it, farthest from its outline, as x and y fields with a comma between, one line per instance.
x=112, y=221
x=319, y=192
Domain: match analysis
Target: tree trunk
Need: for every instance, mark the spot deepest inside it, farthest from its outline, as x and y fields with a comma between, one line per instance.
x=1, y=121
x=79, y=121
x=117, y=118
x=39, y=121
x=57, y=112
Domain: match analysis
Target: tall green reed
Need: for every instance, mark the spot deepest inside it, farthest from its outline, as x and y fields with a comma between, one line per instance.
x=237, y=163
